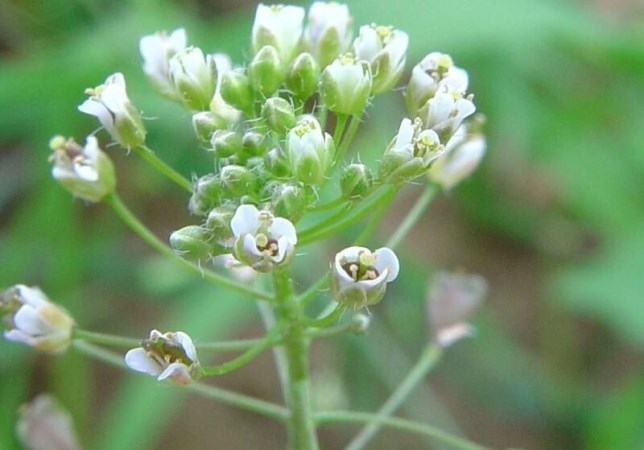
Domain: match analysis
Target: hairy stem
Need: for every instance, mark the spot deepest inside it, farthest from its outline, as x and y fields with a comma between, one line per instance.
x=151, y=158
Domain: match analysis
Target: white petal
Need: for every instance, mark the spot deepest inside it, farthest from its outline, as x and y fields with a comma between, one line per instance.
x=387, y=259
x=177, y=372
x=250, y=245
x=23, y=338
x=97, y=109
x=138, y=359
x=32, y=296
x=281, y=227
x=186, y=342
x=28, y=320
x=245, y=220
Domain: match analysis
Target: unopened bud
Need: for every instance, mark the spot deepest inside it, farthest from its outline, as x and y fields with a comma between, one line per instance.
x=204, y=124
x=356, y=181
x=237, y=180
x=194, y=76
x=236, y=90
x=345, y=85
x=303, y=76
x=359, y=323
x=276, y=163
x=45, y=425
x=218, y=222
x=328, y=33
x=205, y=195
x=279, y=114
x=192, y=242
x=266, y=71
x=289, y=200
x=226, y=143
x=254, y=144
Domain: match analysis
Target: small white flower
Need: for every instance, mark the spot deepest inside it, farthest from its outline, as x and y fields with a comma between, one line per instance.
x=345, y=85
x=34, y=320
x=452, y=298
x=445, y=112
x=86, y=172
x=45, y=425
x=386, y=50
x=462, y=155
x=261, y=240
x=110, y=104
x=279, y=26
x=328, y=33
x=310, y=150
x=166, y=355
x=360, y=277
x=157, y=49
x=433, y=71
x=194, y=77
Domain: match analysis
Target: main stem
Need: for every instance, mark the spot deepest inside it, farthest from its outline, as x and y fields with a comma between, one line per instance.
x=301, y=425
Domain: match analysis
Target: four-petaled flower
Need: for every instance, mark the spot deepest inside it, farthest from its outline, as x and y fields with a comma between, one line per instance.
x=111, y=105
x=32, y=319
x=262, y=241
x=360, y=277
x=166, y=355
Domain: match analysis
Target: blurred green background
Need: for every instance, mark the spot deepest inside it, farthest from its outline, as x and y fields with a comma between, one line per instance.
x=554, y=219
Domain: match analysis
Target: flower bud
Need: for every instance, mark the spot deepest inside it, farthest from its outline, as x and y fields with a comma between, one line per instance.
x=385, y=49
x=254, y=144
x=32, y=319
x=463, y=153
x=157, y=50
x=236, y=90
x=169, y=355
x=224, y=113
x=110, y=104
x=45, y=425
x=445, y=111
x=278, y=114
x=328, y=33
x=86, y=172
x=226, y=143
x=192, y=242
x=289, y=200
x=356, y=181
x=310, y=150
x=345, y=85
x=262, y=241
x=194, y=76
x=279, y=26
x=360, y=323
x=218, y=222
x=435, y=70
x=303, y=76
x=206, y=194
x=266, y=72
x=276, y=163
x=204, y=124
x=237, y=180
x=410, y=153
x=359, y=277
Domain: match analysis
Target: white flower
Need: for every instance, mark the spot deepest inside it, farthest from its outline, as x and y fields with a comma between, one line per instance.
x=86, y=172
x=310, y=150
x=462, y=155
x=451, y=300
x=157, y=49
x=328, y=33
x=445, y=112
x=360, y=277
x=45, y=425
x=261, y=240
x=166, y=355
x=279, y=26
x=410, y=153
x=345, y=85
x=194, y=77
x=386, y=50
x=433, y=71
x=34, y=320
x=110, y=104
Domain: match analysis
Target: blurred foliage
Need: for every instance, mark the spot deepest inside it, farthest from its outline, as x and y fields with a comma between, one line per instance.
x=553, y=219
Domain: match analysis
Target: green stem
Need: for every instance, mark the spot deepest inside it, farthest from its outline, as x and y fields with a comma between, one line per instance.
x=325, y=223
x=231, y=398
x=412, y=216
x=327, y=320
x=301, y=427
x=428, y=359
x=246, y=357
x=310, y=294
x=151, y=158
x=106, y=339
x=400, y=424
x=126, y=215
x=341, y=122
x=348, y=137
x=329, y=205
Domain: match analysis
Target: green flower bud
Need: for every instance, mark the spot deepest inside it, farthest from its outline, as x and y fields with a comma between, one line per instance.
x=356, y=181
x=345, y=85
x=194, y=76
x=276, y=163
x=218, y=222
x=86, y=172
x=236, y=90
x=303, y=76
x=206, y=194
x=237, y=180
x=310, y=150
x=226, y=143
x=279, y=114
x=192, y=243
x=266, y=72
x=204, y=123
x=360, y=323
x=254, y=144
x=289, y=200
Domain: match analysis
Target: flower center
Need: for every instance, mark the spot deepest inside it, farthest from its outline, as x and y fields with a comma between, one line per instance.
x=360, y=272
x=266, y=245
x=164, y=351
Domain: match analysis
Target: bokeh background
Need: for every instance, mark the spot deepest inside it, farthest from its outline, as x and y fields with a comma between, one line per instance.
x=554, y=219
